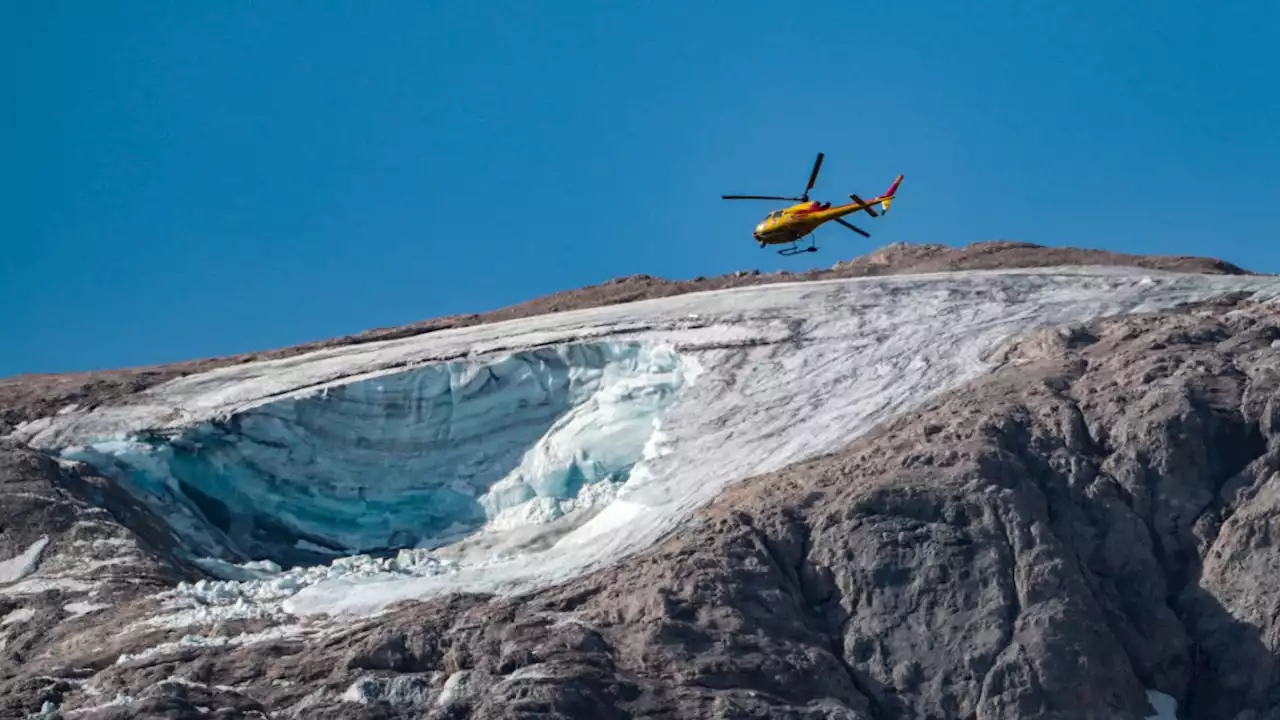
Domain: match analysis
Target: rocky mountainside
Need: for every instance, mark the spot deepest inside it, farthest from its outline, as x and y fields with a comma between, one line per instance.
x=1090, y=521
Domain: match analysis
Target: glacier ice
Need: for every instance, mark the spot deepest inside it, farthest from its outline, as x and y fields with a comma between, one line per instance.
x=742, y=382
x=412, y=459
x=257, y=589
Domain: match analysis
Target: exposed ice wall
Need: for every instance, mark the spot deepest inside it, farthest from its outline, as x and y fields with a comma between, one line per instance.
x=416, y=458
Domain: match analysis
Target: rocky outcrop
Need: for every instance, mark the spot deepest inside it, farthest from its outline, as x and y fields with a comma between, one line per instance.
x=87, y=556
x=1094, y=519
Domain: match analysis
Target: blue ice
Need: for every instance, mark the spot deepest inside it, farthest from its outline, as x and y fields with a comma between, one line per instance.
x=415, y=458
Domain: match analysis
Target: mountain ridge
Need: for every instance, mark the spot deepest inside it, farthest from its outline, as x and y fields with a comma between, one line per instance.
x=27, y=396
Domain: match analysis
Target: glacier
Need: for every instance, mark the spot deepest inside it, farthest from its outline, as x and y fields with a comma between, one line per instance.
x=508, y=456
x=413, y=459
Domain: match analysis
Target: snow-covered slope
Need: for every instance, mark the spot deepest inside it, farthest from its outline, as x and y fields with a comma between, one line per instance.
x=524, y=453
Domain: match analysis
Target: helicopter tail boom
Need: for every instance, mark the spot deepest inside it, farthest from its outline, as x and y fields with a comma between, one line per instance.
x=888, y=196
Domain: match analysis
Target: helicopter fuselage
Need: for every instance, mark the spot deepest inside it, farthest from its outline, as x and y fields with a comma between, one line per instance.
x=790, y=224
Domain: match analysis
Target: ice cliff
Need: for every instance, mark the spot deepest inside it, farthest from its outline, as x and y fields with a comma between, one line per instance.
x=406, y=459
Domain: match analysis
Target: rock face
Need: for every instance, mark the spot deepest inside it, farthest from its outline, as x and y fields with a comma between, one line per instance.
x=1093, y=520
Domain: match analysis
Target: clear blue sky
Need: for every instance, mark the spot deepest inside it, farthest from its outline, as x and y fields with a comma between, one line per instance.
x=186, y=179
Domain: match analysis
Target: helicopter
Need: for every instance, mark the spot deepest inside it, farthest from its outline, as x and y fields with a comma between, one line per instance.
x=789, y=225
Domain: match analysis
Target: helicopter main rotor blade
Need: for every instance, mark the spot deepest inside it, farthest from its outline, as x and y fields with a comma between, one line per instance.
x=813, y=176
x=858, y=230
x=757, y=197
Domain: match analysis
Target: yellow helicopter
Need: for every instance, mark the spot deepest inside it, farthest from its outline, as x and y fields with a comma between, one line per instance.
x=789, y=225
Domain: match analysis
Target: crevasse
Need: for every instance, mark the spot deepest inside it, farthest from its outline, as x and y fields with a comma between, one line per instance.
x=417, y=458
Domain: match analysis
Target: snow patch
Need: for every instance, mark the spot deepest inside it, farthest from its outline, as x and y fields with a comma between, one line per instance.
x=37, y=585
x=76, y=609
x=458, y=689
x=18, y=616
x=188, y=682
x=1165, y=707
x=119, y=700
x=16, y=568
x=412, y=691
x=279, y=632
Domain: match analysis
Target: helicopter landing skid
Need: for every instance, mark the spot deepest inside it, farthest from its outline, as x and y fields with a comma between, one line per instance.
x=796, y=249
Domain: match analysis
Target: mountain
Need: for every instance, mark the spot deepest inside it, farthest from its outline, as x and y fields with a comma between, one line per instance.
x=1003, y=481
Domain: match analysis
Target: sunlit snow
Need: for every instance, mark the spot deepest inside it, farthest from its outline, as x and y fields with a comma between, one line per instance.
x=633, y=416
x=76, y=609
x=20, y=615
x=22, y=565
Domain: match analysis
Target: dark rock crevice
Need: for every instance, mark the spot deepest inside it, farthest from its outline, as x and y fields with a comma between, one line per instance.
x=991, y=682
x=814, y=596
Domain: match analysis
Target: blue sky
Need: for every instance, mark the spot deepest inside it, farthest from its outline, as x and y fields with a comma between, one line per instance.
x=181, y=180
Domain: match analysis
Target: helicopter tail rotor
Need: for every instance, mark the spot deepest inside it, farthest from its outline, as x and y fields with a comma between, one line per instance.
x=865, y=205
